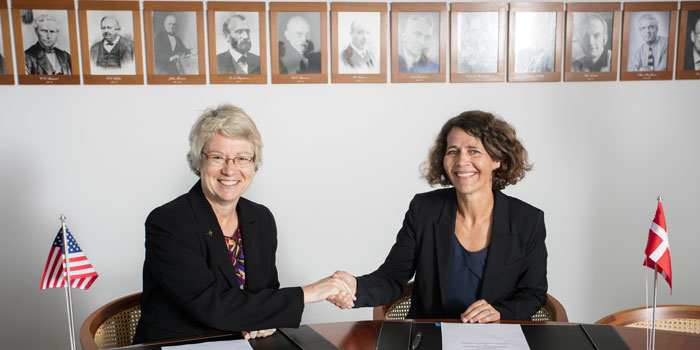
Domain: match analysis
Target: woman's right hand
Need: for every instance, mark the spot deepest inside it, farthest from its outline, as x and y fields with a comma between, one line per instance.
x=327, y=288
x=339, y=300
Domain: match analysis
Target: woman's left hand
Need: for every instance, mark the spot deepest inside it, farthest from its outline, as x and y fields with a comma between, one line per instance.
x=480, y=312
x=258, y=334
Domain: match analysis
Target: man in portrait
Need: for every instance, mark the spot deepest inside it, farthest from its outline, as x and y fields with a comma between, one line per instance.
x=299, y=55
x=593, y=38
x=169, y=49
x=477, y=43
x=358, y=56
x=43, y=57
x=652, y=54
x=2, y=64
x=114, y=51
x=692, y=54
x=237, y=59
x=415, y=55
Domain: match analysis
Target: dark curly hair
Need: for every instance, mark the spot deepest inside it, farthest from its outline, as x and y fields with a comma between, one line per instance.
x=499, y=141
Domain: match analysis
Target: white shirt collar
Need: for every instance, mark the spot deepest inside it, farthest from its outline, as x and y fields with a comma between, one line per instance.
x=114, y=44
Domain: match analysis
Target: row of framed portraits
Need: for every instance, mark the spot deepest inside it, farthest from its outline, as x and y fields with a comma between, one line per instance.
x=484, y=38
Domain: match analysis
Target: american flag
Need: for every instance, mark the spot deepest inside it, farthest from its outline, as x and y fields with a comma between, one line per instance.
x=82, y=274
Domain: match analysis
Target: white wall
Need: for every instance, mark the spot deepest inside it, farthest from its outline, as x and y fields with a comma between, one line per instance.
x=340, y=166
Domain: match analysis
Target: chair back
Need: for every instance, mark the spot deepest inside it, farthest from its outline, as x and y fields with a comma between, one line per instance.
x=675, y=318
x=397, y=309
x=112, y=325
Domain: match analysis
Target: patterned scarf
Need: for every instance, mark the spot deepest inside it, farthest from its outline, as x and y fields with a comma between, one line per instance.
x=235, y=248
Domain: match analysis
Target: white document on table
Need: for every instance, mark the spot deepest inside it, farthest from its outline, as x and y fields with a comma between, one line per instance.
x=237, y=344
x=496, y=336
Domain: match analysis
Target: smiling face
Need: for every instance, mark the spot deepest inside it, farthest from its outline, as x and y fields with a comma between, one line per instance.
x=467, y=164
x=648, y=28
x=110, y=29
x=594, y=38
x=223, y=186
x=47, y=32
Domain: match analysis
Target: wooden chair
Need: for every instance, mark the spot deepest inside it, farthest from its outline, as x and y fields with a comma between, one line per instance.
x=553, y=310
x=676, y=318
x=112, y=325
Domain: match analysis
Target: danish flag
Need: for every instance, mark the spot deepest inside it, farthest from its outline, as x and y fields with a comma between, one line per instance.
x=658, y=252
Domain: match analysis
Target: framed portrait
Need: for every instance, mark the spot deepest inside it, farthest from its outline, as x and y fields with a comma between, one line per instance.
x=418, y=42
x=358, y=42
x=237, y=42
x=688, y=64
x=46, y=42
x=535, y=41
x=478, y=42
x=111, y=42
x=298, y=35
x=174, y=42
x=648, y=40
x=7, y=73
x=592, y=41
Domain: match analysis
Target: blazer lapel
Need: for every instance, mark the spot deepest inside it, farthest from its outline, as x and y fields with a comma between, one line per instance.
x=499, y=248
x=44, y=62
x=444, y=230
x=214, y=237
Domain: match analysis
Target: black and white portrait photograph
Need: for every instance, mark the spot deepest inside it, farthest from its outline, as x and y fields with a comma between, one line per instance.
x=648, y=41
x=691, y=61
x=2, y=46
x=477, y=42
x=111, y=39
x=591, y=44
x=535, y=41
x=299, y=42
x=46, y=42
x=419, y=42
x=175, y=43
x=358, y=42
x=237, y=42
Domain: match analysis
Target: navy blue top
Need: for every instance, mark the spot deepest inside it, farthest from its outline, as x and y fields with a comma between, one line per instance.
x=465, y=279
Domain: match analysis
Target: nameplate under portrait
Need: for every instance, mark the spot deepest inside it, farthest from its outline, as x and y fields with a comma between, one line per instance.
x=7, y=73
x=298, y=36
x=478, y=42
x=111, y=45
x=237, y=42
x=358, y=43
x=46, y=42
x=688, y=63
x=535, y=41
x=174, y=42
x=592, y=41
x=648, y=40
x=418, y=42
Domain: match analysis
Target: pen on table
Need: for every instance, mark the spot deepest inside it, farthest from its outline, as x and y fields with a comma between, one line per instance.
x=416, y=340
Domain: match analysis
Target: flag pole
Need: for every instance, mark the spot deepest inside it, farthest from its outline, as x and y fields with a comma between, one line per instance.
x=69, y=299
x=656, y=288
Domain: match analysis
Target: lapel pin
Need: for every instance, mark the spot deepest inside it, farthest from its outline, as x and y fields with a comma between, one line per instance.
x=209, y=233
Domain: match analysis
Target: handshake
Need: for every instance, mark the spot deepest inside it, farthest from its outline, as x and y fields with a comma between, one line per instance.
x=339, y=289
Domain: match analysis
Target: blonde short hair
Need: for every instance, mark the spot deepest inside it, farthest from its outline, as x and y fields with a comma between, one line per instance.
x=228, y=120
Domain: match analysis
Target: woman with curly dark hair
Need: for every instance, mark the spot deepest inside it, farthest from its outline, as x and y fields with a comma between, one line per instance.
x=477, y=254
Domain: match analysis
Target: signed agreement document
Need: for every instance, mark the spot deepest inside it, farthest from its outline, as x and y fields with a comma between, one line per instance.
x=458, y=336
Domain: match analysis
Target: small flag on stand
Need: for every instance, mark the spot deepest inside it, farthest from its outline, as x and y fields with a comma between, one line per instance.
x=658, y=252
x=82, y=274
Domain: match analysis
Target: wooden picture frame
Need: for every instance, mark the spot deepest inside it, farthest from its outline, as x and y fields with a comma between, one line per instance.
x=541, y=62
x=224, y=68
x=357, y=26
x=58, y=17
x=168, y=63
x=430, y=18
x=298, y=21
x=103, y=22
x=483, y=25
x=689, y=50
x=634, y=66
x=592, y=41
x=7, y=72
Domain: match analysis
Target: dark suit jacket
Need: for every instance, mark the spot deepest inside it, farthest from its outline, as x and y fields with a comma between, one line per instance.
x=689, y=63
x=189, y=284
x=162, y=53
x=36, y=62
x=515, y=277
x=124, y=49
x=225, y=64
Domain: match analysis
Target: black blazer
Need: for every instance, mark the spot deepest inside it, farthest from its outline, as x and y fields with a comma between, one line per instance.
x=515, y=278
x=189, y=284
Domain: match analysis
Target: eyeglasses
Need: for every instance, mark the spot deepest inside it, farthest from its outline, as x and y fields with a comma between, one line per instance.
x=219, y=160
